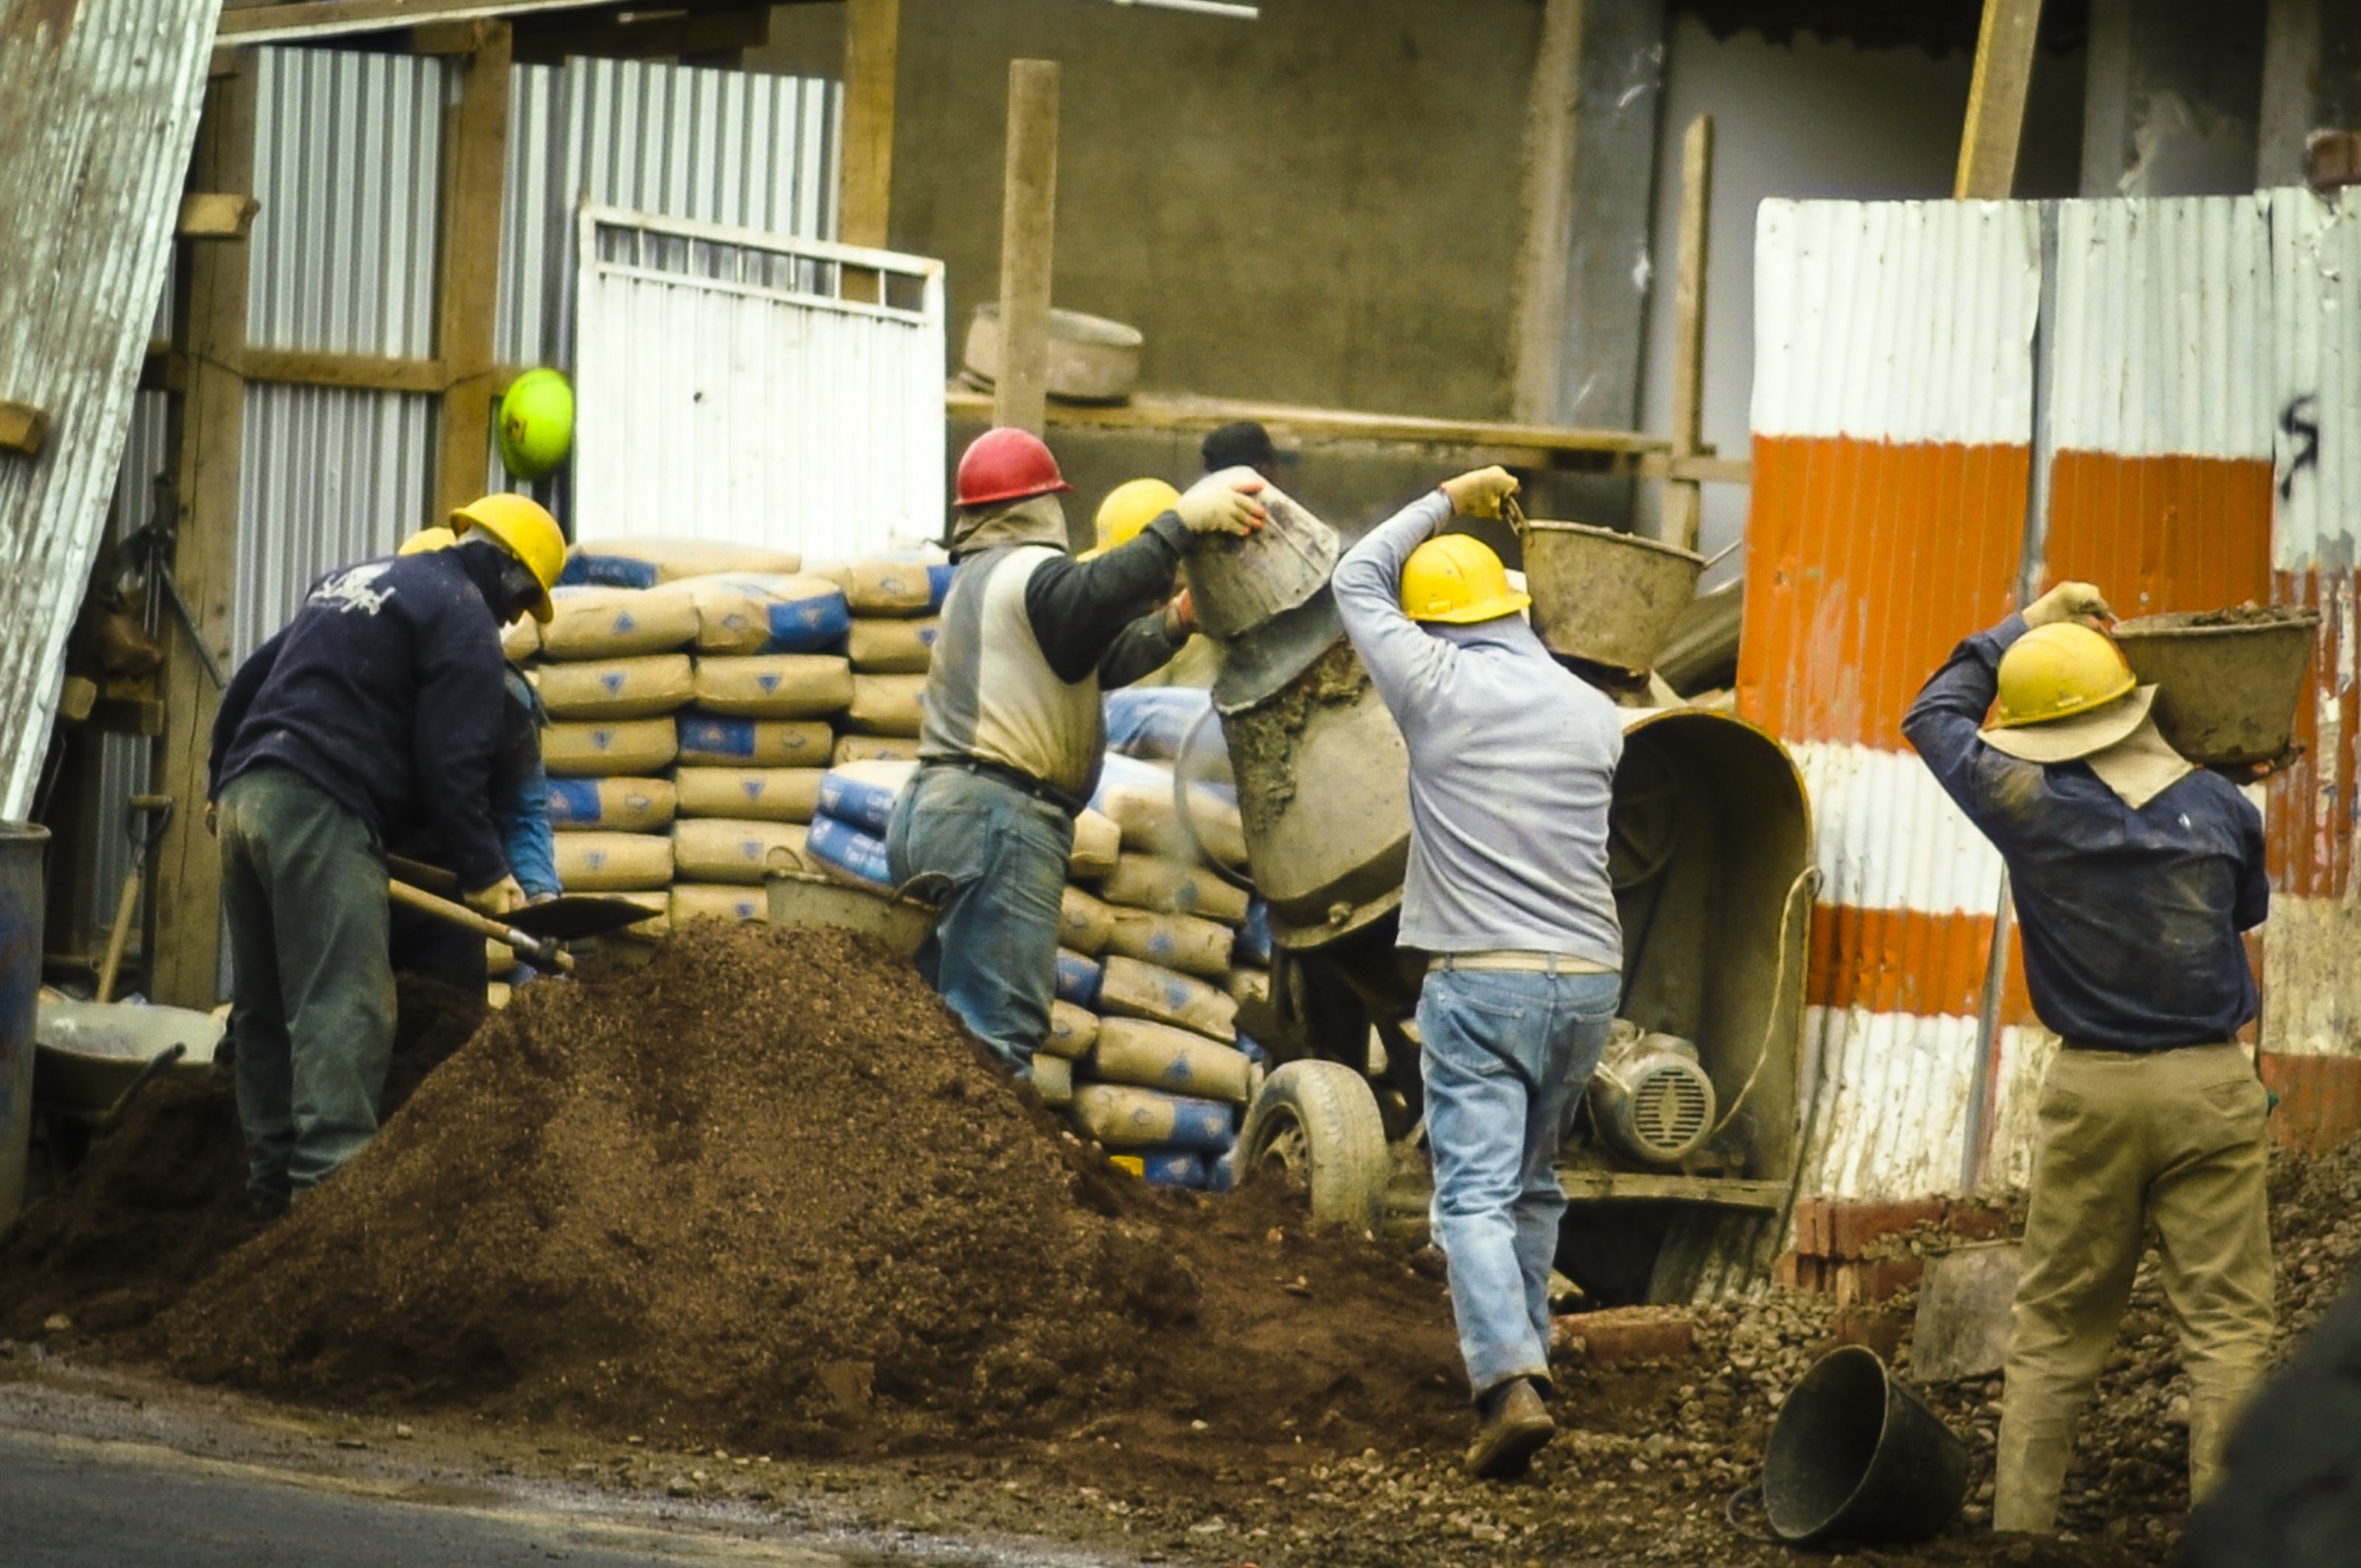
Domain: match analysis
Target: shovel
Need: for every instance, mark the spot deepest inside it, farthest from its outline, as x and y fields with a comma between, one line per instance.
x=542, y=952
x=570, y=917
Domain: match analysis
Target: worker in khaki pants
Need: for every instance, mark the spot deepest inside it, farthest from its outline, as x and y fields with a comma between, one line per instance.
x=2133, y=872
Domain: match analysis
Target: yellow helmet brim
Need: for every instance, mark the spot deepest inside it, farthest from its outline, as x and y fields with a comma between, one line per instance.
x=2080, y=734
x=1491, y=609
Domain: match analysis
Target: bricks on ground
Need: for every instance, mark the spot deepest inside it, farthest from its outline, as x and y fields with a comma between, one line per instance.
x=1851, y=1249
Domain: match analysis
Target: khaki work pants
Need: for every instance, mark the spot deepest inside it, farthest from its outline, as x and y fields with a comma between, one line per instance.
x=2175, y=1137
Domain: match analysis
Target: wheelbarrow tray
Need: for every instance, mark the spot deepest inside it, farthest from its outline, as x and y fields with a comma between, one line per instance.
x=86, y=1053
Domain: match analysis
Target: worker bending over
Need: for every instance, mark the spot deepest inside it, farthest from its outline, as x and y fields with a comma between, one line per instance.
x=2133, y=872
x=1013, y=737
x=1512, y=761
x=379, y=706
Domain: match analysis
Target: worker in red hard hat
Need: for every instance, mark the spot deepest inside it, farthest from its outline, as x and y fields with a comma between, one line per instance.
x=1013, y=738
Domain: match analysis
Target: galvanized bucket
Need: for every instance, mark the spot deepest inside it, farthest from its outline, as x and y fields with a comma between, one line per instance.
x=798, y=898
x=1610, y=598
x=1239, y=581
x=23, y=847
x=2227, y=681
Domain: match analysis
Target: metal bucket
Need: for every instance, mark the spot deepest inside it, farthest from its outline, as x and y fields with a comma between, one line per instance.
x=1610, y=598
x=23, y=847
x=1239, y=581
x=798, y=898
x=1856, y=1455
x=2227, y=681
x=1323, y=788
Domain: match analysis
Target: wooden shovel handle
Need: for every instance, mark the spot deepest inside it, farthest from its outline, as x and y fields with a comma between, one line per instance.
x=459, y=915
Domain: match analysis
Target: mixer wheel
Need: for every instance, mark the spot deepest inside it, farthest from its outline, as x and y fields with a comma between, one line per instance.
x=1316, y=1123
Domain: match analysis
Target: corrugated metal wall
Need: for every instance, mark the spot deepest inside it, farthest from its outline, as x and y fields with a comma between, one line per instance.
x=98, y=118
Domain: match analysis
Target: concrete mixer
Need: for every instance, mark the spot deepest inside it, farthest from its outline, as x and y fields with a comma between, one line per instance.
x=1681, y=1166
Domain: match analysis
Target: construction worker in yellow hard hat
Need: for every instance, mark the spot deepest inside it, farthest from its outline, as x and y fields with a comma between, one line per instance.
x=375, y=712
x=1512, y=759
x=1127, y=509
x=2134, y=875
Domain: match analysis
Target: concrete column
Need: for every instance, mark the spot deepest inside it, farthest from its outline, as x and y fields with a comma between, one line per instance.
x=2311, y=81
x=2172, y=97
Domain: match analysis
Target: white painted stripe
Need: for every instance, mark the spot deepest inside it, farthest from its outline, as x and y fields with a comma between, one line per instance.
x=1887, y=838
x=2163, y=328
x=1896, y=320
x=2310, y=1005
x=1893, y=1092
x=2316, y=372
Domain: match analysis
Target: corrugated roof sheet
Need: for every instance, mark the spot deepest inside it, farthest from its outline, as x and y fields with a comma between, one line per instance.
x=98, y=117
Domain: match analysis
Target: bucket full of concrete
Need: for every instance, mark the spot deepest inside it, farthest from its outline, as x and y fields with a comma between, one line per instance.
x=2228, y=679
x=1239, y=581
x=1606, y=597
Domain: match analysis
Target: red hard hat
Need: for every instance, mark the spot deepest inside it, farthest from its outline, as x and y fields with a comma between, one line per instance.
x=1008, y=464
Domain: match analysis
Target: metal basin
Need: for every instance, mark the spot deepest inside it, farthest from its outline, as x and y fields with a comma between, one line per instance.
x=1239, y=583
x=2227, y=681
x=1610, y=598
x=90, y=1051
x=798, y=898
x=1092, y=360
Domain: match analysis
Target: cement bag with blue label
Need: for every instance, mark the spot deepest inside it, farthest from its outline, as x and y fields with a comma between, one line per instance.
x=617, y=624
x=640, y=688
x=775, y=686
x=1053, y=1079
x=890, y=586
x=760, y=794
x=1175, y=1168
x=1083, y=922
x=863, y=793
x=1251, y=987
x=1078, y=979
x=1073, y=1031
x=644, y=563
x=720, y=739
x=1153, y=1055
x=880, y=646
x=621, y=805
x=1098, y=845
x=1176, y=941
x=611, y=862
x=717, y=901
x=1138, y=796
x=842, y=850
x=876, y=748
x=747, y=613
x=1150, y=722
x=1136, y=989
x=631, y=748
x=887, y=704
x=1124, y=1117
x=1174, y=888
x=725, y=849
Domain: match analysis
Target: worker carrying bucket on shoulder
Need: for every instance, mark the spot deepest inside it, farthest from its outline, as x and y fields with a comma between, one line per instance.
x=1512, y=762
x=1013, y=737
x=2134, y=873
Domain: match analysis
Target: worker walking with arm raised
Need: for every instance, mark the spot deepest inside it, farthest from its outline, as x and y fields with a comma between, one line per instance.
x=1512, y=763
x=1013, y=738
x=2134, y=873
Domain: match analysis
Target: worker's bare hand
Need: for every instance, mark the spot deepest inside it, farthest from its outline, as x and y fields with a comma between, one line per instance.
x=1222, y=502
x=2070, y=601
x=503, y=897
x=1479, y=494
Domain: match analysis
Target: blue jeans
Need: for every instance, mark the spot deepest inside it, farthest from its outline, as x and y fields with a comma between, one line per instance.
x=1506, y=1056
x=992, y=956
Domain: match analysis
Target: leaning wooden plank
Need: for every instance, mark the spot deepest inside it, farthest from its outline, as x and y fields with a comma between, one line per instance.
x=216, y=215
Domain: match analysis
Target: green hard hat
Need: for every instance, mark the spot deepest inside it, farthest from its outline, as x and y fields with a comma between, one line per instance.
x=536, y=423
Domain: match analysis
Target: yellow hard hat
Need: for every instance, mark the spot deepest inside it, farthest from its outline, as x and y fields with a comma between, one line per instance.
x=1458, y=580
x=526, y=531
x=2063, y=691
x=426, y=539
x=1129, y=507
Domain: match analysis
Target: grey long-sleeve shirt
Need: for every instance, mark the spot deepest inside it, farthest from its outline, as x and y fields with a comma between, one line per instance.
x=1512, y=765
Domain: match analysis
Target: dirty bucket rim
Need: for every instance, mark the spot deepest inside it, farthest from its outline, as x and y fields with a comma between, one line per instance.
x=22, y=832
x=2181, y=624
x=1594, y=530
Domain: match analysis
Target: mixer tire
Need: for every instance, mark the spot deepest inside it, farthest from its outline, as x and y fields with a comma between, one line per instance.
x=1316, y=1123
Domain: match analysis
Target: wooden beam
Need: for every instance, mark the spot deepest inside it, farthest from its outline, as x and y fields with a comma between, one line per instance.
x=205, y=439
x=640, y=35
x=23, y=428
x=216, y=215
x=1682, y=503
x=2004, y=72
x=324, y=19
x=873, y=45
x=1704, y=470
x=1028, y=241
x=161, y=369
x=1536, y=344
x=468, y=281
x=296, y=367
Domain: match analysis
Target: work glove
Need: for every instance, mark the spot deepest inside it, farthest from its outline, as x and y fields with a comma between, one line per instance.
x=1180, y=616
x=2069, y=601
x=501, y=898
x=1479, y=494
x=1223, y=502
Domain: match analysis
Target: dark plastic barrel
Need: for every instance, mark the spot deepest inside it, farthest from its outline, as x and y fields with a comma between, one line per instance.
x=1856, y=1455
x=22, y=848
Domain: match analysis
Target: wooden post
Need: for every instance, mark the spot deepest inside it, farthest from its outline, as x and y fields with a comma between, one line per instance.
x=204, y=438
x=1682, y=500
x=873, y=34
x=1537, y=348
x=2004, y=70
x=1028, y=238
x=467, y=285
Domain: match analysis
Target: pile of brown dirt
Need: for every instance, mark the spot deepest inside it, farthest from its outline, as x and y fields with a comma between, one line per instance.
x=765, y=1191
x=162, y=1198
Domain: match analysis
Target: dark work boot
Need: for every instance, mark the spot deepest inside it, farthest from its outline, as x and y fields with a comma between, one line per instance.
x=1515, y=1428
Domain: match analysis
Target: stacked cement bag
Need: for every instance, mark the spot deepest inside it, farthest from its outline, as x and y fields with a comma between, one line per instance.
x=895, y=605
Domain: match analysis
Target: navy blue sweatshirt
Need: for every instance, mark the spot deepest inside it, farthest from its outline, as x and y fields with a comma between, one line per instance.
x=2131, y=919
x=384, y=690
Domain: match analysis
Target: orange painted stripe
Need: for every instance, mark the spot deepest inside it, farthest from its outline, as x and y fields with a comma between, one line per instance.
x=1867, y=561
x=2310, y=819
x=2160, y=534
x=1900, y=960
x=2320, y=1100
